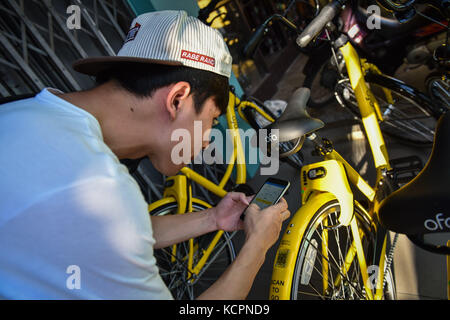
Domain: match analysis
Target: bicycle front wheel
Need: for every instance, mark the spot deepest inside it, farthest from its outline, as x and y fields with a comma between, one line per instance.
x=406, y=117
x=327, y=267
x=173, y=261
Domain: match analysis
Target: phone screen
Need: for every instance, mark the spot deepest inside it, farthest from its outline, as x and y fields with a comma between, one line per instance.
x=269, y=193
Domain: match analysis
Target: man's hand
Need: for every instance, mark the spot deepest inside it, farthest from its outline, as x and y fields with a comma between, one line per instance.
x=171, y=229
x=227, y=213
x=262, y=229
x=264, y=226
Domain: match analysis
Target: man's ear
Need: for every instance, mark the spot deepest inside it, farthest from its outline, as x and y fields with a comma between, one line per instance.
x=176, y=97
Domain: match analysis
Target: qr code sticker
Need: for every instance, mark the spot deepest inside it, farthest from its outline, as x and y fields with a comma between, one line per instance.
x=282, y=258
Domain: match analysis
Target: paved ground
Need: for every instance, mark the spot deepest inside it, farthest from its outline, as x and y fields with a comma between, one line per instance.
x=419, y=274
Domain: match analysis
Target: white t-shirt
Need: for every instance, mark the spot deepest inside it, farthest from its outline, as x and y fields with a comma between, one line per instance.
x=73, y=222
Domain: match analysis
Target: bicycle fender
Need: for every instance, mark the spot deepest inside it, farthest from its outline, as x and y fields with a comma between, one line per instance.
x=286, y=256
x=329, y=176
x=160, y=202
x=178, y=187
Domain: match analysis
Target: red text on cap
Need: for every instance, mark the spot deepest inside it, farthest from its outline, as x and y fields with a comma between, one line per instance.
x=198, y=57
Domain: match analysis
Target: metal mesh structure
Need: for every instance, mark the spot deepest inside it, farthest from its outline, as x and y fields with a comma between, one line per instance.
x=40, y=39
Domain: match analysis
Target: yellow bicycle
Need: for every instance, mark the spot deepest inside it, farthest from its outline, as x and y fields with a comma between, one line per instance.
x=334, y=246
x=192, y=266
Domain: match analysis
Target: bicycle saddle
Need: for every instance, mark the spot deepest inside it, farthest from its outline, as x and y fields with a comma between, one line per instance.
x=423, y=205
x=295, y=121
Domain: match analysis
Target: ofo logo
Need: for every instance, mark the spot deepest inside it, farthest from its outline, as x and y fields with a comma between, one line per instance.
x=438, y=223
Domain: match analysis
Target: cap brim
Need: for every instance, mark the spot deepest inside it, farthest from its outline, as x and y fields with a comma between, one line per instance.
x=95, y=65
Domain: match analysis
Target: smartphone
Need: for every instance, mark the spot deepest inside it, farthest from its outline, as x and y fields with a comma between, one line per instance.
x=270, y=193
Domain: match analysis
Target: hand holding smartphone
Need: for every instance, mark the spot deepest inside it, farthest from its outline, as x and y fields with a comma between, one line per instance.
x=269, y=194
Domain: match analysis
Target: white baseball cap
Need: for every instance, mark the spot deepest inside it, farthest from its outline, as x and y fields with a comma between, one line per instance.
x=167, y=37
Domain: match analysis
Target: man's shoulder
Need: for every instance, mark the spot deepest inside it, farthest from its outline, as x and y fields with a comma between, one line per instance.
x=54, y=150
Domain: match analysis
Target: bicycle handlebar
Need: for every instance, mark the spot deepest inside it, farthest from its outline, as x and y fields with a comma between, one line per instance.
x=316, y=26
x=256, y=38
x=250, y=48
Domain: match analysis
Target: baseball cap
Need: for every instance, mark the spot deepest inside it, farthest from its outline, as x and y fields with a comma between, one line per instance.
x=167, y=37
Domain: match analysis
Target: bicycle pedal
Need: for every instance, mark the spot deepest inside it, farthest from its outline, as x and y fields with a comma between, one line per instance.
x=405, y=169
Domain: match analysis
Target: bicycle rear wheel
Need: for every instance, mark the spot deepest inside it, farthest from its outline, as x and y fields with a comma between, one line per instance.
x=325, y=268
x=173, y=264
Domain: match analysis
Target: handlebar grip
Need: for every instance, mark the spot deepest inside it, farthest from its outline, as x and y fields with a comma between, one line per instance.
x=250, y=48
x=316, y=26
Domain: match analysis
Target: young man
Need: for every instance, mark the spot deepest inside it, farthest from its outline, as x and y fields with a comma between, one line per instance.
x=73, y=223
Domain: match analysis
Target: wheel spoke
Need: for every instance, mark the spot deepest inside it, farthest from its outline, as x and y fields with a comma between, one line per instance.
x=341, y=276
x=173, y=268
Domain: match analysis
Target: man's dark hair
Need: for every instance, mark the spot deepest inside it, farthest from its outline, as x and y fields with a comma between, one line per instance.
x=143, y=79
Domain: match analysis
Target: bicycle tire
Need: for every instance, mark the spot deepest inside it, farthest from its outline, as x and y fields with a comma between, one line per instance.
x=319, y=99
x=412, y=121
x=175, y=274
x=307, y=281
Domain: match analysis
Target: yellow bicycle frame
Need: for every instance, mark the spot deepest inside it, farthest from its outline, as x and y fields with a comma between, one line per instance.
x=330, y=180
x=237, y=158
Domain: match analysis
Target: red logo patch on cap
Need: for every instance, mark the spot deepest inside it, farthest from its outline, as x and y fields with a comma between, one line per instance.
x=133, y=32
x=198, y=57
